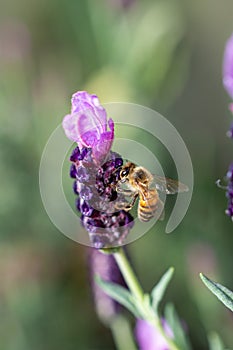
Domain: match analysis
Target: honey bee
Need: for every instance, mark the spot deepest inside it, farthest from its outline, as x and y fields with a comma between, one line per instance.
x=141, y=183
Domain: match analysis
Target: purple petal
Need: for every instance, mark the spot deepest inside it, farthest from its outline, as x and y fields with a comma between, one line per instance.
x=75, y=156
x=70, y=127
x=88, y=126
x=89, y=132
x=89, y=139
x=81, y=101
x=73, y=171
x=111, y=127
x=149, y=338
x=104, y=144
x=101, y=149
x=228, y=67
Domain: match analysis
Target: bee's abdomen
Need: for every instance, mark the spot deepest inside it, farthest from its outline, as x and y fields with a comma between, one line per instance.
x=147, y=208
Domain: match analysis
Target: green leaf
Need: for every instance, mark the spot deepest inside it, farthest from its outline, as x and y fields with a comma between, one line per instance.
x=119, y=294
x=160, y=288
x=224, y=294
x=178, y=331
x=147, y=300
x=215, y=342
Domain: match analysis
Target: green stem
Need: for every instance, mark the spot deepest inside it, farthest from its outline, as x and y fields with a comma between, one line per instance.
x=137, y=291
x=128, y=274
x=122, y=334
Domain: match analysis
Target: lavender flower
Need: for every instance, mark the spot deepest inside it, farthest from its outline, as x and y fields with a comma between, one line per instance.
x=229, y=192
x=96, y=172
x=150, y=339
x=104, y=265
x=228, y=67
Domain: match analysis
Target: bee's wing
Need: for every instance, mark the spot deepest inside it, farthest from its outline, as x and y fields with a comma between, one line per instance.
x=162, y=210
x=168, y=186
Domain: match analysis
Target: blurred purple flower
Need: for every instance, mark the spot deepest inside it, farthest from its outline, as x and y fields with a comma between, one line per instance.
x=229, y=193
x=230, y=132
x=149, y=338
x=201, y=256
x=15, y=41
x=105, y=266
x=228, y=84
x=124, y=4
x=228, y=67
x=88, y=126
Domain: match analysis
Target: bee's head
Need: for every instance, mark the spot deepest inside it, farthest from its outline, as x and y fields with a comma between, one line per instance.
x=124, y=173
x=126, y=169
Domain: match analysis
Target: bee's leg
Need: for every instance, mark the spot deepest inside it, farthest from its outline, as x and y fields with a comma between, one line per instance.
x=121, y=205
x=131, y=204
x=124, y=205
x=125, y=192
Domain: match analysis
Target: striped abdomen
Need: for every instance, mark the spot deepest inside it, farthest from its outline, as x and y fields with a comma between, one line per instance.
x=148, y=205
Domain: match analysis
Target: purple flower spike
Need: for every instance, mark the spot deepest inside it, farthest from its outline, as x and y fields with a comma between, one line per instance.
x=230, y=132
x=104, y=265
x=228, y=67
x=149, y=338
x=228, y=84
x=95, y=168
x=230, y=173
x=88, y=125
x=229, y=192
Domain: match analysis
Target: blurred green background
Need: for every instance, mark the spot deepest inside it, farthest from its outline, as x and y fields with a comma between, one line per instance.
x=164, y=54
